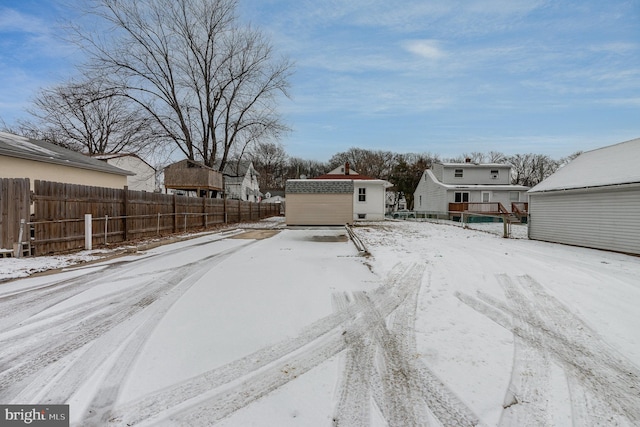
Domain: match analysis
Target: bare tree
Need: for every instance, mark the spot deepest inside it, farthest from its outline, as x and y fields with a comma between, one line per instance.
x=297, y=168
x=208, y=84
x=531, y=169
x=406, y=174
x=374, y=163
x=89, y=117
x=269, y=160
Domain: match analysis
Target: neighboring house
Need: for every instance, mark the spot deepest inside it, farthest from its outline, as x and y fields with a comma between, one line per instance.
x=145, y=174
x=593, y=201
x=241, y=181
x=449, y=188
x=395, y=202
x=277, y=197
x=22, y=157
x=339, y=197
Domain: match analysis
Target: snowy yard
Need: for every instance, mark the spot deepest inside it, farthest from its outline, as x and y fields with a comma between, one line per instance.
x=440, y=325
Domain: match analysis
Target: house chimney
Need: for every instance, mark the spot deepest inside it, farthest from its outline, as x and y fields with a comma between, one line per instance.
x=346, y=168
x=467, y=160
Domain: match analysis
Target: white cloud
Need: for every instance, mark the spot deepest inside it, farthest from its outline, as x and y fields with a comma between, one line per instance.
x=428, y=49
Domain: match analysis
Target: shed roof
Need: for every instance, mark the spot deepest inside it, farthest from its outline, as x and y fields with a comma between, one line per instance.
x=612, y=165
x=17, y=146
x=313, y=186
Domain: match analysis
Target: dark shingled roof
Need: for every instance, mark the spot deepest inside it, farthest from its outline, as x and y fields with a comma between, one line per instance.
x=309, y=186
x=24, y=148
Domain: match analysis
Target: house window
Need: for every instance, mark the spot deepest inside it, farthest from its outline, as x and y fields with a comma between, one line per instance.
x=495, y=173
x=458, y=173
x=461, y=197
x=514, y=196
x=362, y=194
x=486, y=197
x=420, y=200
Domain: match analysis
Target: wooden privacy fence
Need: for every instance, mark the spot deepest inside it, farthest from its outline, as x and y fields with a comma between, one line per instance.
x=14, y=207
x=120, y=215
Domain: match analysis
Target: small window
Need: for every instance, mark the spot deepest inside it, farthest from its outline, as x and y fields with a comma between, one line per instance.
x=458, y=173
x=362, y=194
x=514, y=196
x=495, y=173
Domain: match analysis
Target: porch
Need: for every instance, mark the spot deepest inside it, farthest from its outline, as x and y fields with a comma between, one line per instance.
x=518, y=212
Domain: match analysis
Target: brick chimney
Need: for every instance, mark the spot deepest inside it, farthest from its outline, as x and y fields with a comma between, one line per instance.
x=346, y=168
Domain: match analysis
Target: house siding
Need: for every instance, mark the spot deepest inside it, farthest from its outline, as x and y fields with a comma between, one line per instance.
x=145, y=176
x=475, y=174
x=603, y=218
x=374, y=206
x=13, y=167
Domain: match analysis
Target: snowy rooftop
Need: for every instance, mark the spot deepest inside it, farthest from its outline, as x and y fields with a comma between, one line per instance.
x=611, y=165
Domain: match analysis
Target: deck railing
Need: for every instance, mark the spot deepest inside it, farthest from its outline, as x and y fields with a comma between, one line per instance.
x=478, y=207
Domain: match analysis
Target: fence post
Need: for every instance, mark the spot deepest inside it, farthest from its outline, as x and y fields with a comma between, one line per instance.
x=224, y=206
x=106, y=229
x=126, y=213
x=506, y=227
x=158, y=225
x=204, y=211
x=175, y=213
x=20, y=234
x=87, y=232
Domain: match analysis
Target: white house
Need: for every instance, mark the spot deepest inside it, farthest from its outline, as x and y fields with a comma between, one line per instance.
x=144, y=178
x=341, y=196
x=241, y=181
x=593, y=201
x=476, y=187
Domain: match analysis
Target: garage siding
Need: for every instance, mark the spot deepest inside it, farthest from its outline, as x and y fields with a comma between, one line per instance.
x=311, y=202
x=605, y=218
x=319, y=209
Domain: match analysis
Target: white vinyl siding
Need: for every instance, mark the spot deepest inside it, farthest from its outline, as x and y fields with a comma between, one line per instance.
x=372, y=208
x=605, y=218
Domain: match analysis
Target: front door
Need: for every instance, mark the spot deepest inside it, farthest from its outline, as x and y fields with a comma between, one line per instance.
x=486, y=197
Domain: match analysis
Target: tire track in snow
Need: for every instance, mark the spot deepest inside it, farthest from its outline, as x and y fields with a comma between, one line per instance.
x=526, y=402
x=17, y=306
x=587, y=360
x=199, y=401
x=354, y=397
x=109, y=315
x=210, y=397
x=175, y=396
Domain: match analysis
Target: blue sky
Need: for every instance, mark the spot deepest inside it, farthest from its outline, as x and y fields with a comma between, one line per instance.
x=446, y=77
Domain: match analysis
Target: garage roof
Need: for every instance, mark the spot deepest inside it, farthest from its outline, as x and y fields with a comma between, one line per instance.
x=315, y=186
x=612, y=165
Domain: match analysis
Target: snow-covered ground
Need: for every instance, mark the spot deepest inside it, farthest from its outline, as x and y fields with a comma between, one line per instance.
x=439, y=325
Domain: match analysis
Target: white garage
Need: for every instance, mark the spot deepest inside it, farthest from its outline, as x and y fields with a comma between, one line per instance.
x=593, y=201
